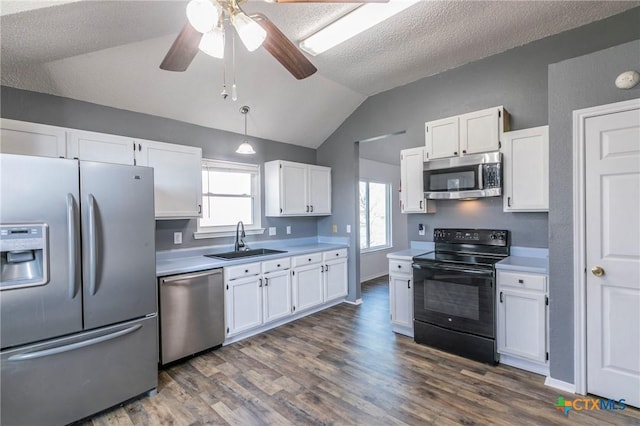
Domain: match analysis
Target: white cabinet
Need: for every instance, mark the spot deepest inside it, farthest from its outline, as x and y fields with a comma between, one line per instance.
x=307, y=282
x=472, y=133
x=522, y=320
x=276, y=290
x=102, y=147
x=525, y=156
x=401, y=296
x=335, y=274
x=19, y=137
x=297, y=189
x=177, y=174
x=411, y=182
x=243, y=298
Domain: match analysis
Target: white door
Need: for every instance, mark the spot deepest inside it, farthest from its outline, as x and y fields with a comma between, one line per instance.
x=612, y=161
x=319, y=190
x=479, y=131
x=243, y=302
x=91, y=146
x=24, y=138
x=335, y=279
x=442, y=138
x=411, y=167
x=293, y=188
x=277, y=295
x=522, y=324
x=307, y=287
x=401, y=300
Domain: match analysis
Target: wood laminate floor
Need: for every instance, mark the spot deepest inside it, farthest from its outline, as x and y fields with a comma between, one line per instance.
x=345, y=366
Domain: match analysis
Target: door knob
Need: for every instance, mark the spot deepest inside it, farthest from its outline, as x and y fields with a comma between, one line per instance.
x=597, y=271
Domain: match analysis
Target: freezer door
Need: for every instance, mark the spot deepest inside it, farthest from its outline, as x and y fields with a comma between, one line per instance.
x=118, y=243
x=39, y=190
x=61, y=381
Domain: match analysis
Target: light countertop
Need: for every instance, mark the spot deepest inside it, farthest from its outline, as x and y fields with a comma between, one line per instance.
x=539, y=265
x=407, y=254
x=173, y=262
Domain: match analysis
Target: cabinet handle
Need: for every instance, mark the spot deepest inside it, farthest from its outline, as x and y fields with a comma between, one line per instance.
x=266, y=282
x=260, y=283
x=326, y=268
x=500, y=297
x=408, y=283
x=307, y=209
x=321, y=268
x=311, y=209
x=199, y=208
x=420, y=204
x=508, y=201
x=139, y=147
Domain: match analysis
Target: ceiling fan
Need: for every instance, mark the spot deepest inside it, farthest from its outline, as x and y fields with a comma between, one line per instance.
x=205, y=31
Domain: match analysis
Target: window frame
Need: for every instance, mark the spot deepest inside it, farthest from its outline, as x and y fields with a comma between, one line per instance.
x=230, y=230
x=388, y=215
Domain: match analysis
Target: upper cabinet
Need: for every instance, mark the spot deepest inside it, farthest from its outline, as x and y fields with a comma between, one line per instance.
x=472, y=133
x=177, y=176
x=297, y=189
x=19, y=137
x=525, y=157
x=177, y=168
x=411, y=184
x=92, y=146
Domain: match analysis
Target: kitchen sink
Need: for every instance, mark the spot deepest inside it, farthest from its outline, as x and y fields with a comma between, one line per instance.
x=230, y=255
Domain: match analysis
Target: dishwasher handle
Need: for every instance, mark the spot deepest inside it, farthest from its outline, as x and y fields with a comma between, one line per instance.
x=176, y=279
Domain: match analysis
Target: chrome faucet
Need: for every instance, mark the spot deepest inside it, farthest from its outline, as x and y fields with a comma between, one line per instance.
x=239, y=238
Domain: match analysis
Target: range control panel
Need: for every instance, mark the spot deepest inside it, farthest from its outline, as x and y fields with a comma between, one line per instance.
x=471, y=236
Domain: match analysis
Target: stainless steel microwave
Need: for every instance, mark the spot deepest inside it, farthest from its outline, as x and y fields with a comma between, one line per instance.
x=469, y=176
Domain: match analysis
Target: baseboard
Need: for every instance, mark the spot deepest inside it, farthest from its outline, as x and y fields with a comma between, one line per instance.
x=378, y=275
x=560, y=385
x=357, y=302
x=523, y=364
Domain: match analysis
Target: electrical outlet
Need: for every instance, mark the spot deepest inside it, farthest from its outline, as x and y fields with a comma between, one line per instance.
x=421, y=229
x=288, y=229
x=335, y=228
x=348, y=229
x=177, y=238
x=272, y=231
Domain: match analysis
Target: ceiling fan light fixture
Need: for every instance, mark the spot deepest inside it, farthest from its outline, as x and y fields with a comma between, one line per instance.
x=202, y=15
x=212, y=43
x=250, y=32
x=351, y=24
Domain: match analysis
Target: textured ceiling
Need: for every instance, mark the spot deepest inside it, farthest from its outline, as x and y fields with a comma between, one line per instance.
x=108, y=52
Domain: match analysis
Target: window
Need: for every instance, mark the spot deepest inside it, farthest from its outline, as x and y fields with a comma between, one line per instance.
x=375, y=215
x=230, y=193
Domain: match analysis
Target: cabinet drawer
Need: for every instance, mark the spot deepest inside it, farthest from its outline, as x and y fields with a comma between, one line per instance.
x=276, y=265
x=307, y=259
x=523, y=280
x=239, y=271
x=335, y=254
x=400, y=267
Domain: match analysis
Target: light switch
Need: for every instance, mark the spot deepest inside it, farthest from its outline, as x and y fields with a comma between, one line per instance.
x=288, y=229
x=177, y=238
x=335, y=228
x=272, y=231
x=348, y=229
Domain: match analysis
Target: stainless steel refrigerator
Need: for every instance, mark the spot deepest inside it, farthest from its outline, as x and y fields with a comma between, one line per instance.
x=78, y=294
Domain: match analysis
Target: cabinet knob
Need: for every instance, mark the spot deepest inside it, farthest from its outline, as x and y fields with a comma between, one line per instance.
x=399, y=266
x=278, y=265
x=246, y=271
x=520, y=281
x=464, y=151
x=455, y=153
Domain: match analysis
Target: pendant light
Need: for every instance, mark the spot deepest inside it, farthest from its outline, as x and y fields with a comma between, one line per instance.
x=245, y=147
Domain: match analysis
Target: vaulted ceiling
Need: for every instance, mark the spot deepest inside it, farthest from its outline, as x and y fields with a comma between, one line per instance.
x=108, y=53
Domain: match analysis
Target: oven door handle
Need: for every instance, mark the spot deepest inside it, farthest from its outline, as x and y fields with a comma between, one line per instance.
x=441, y=267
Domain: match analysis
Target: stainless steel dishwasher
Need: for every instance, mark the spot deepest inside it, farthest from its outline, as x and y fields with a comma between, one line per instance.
x=191, y=314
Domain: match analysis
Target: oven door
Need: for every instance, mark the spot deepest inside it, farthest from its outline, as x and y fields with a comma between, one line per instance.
x=455, y=297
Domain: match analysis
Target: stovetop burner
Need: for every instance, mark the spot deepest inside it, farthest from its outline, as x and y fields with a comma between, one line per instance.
x=483, y=247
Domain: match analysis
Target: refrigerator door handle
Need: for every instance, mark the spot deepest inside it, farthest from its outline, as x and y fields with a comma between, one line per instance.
x=93, y=255
x=71, y=244
x=66, y=348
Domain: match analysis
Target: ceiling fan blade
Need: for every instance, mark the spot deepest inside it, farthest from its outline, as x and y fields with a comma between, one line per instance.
x=183, y=50
x=283, y=50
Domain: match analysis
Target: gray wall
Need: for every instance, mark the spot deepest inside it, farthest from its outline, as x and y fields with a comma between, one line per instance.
x=374, y=264
x=47, y=109
x=516, y=79
x=574, y=84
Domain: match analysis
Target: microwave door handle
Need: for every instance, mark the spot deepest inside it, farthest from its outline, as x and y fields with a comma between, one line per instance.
x=480, y=177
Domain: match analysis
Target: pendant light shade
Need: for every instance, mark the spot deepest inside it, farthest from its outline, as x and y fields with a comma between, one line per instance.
x=245, y=147
x=202, y=15
x=250, y=32
x=212, y=43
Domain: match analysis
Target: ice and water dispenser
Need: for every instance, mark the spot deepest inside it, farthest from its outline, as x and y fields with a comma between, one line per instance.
x=23, y=255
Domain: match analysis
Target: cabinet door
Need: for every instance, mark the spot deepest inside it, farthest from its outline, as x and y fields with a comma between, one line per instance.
x=319, y=190
x=479, y=131
x=526, y=170
x=293, y=188
x=307, y=287
x=177, y=171
x=335, y=279
x=442, y=137
x=91, y=146
x=23, y=138
x=277, y=295
x=411, y=167
x=522, y=323
x=401, y=300
x=243, y=304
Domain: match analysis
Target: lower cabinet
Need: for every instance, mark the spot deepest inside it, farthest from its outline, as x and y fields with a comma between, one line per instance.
x=522, y=319
x=260, y=293
x=401, y=296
